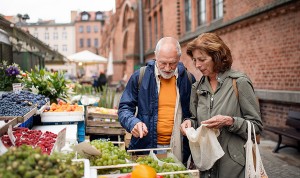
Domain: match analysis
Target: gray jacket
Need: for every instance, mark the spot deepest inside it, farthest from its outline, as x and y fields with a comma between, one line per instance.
x=205, y=104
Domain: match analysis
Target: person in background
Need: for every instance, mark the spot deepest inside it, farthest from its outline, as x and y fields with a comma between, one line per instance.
x=214, y=102
x=161, y=100
x=102, y=80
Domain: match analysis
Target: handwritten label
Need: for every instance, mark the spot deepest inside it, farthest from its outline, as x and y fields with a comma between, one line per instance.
x=11, y=135
x=17, y=87
x=3, y=149
x=60, y=140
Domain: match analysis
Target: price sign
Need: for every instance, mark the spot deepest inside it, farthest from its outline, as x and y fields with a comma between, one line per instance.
x=17, y=87
x=3, y=149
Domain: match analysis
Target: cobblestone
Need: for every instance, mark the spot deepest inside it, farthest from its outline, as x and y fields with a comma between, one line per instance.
x=285, y=164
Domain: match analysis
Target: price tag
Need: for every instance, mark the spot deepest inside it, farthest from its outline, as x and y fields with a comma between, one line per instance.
x=60, y=140
x=10, y=135
x=17, y=87
x=3, y=149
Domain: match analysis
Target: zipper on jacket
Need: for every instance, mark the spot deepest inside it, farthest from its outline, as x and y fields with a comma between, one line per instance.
x=212, y=101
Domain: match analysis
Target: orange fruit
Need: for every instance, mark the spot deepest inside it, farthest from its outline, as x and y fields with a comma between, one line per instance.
x=143, y=171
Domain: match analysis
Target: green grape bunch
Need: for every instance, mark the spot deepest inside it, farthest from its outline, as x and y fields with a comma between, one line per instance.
x=150, y=161
x=110, y=155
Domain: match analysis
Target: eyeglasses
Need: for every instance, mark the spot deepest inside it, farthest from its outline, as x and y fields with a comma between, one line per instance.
x=165, y=64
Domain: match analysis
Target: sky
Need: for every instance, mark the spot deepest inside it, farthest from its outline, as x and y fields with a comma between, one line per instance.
x=59, y=10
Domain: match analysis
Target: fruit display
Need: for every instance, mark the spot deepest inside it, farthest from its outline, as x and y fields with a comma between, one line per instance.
x=64, y=107
x=27, y=162
x=166, y=167
x=18, y=104
x=110, y=155
x=101, y=110
x=35, y=138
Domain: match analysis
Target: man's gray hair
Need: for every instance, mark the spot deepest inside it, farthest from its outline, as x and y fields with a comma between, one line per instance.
x=162, y=41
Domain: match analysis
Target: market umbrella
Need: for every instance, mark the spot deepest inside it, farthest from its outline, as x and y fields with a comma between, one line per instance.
x=87, y=57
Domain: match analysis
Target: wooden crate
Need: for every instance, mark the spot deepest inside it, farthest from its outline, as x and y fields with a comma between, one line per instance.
x=14, y=120
x=103, y=124
x=6, y=124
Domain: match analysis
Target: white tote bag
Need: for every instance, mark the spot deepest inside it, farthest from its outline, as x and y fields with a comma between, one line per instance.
x=254, y=166
x=205, y=147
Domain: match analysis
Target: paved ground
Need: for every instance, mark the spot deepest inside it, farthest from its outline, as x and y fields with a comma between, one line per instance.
x=285, y=164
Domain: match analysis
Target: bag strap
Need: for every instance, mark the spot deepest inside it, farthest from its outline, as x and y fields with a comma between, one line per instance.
x=142, y=73
x=236, y=91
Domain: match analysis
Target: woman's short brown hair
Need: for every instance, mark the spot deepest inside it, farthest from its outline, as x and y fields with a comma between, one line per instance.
x=212, y=45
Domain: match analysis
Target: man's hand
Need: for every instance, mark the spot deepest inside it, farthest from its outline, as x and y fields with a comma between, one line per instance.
x=184, y=125
x=139, y=130
x=218, y=121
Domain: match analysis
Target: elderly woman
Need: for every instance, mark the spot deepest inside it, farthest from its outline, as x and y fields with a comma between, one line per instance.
x=215, y=102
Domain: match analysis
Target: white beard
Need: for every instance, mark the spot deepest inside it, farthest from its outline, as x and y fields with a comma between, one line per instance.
x=165, y=75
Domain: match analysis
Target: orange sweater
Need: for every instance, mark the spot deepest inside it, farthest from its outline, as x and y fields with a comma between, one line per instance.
x=166, y=110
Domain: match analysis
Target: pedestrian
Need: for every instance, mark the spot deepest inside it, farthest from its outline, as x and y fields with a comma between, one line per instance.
x=102, y=80
x=215, y=103
x=162, y=101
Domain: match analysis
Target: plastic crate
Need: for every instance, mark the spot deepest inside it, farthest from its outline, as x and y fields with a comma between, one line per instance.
x=80, y=131
x=28, y=123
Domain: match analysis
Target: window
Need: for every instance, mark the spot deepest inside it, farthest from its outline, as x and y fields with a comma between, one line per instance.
x=81, y=29
x=99, y=16
x=55, y=47
x=46, y=36
x=96, y=42
x=64, y=35
x=55, y=35
x=85, y=17
x=201, y=12
x=88, y=42
x=96, y=29
x=188, y=15
x=218, y=9
x=88, y=29
x=64, y=48
x=81, y=43
x=161, y=24
x=150, y=33
x=155, y=27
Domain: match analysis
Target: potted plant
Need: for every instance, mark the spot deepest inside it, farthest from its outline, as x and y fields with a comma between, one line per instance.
x=9, y=74
x=51, y=84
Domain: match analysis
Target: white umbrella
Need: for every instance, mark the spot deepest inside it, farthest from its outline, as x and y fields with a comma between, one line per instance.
x=110, y=68
x=87, y=56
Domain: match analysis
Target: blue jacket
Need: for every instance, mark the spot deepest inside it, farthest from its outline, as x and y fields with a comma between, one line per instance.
x=145, y=97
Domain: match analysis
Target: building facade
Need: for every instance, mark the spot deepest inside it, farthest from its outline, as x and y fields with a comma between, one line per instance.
x=263, y=37
x=88, y=29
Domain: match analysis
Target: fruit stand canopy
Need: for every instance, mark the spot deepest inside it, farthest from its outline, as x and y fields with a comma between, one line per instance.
x=87, y=56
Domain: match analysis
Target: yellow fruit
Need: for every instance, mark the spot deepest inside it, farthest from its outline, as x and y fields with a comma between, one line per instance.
x=143, y=171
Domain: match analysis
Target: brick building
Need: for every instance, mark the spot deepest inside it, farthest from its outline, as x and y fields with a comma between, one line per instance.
x=263, y=36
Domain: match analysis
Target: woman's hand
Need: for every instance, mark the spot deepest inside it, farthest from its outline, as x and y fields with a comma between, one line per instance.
x=184, y=125
x=218, y=121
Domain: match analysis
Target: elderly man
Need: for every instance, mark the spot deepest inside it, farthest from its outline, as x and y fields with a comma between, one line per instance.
x=162, y=98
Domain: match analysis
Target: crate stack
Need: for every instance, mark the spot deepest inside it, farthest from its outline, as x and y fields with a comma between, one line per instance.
x=103, y=124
